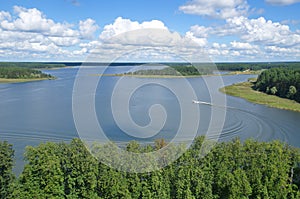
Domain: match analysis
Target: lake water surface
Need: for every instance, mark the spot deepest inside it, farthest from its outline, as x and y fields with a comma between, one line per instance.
x=41, y=111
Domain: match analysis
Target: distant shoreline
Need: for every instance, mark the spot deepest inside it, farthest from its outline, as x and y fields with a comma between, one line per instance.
x=55, y=68
x=147, y=76
x=179, y=76
x=244, y=90
x=4, y=80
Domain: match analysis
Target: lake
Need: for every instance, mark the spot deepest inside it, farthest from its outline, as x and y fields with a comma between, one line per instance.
x=35, y=112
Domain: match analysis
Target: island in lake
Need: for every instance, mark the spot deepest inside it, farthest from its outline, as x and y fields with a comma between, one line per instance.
x=170, y=70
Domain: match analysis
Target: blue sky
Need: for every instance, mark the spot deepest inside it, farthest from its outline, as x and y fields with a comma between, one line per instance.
x=227, y=30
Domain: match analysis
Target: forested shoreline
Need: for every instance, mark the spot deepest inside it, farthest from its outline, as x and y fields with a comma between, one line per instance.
x=22, y=73
x=230, y=170
x=236, y=66
x=178, y=70
x=282, y=82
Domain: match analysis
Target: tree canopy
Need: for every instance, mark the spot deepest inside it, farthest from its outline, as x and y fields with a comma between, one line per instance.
x=21, y=73
x=175, y=70
x=282, y=82
x=230, y=170
x=6, y=174
x=236, y=66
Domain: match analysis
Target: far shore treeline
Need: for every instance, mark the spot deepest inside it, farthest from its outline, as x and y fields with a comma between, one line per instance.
x=231, y=66
x=197, y=69
x=231, y=169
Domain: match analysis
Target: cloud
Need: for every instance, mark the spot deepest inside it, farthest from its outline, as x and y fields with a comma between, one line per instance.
x=33, y=20
x=218, y=46
x=245, y=48
x=121, y=25
x=124, y=36
x=242, y=46
x=30, y=47
x=250, y=39
x=149, y=44
x=29, y=34
x=88, y=28
x=200, y=41
x=287, y=53
x=64, y=41
x=221, y=9
x=282, y=2
x=4, y=15
x=265, y=31
x=198, y=34
x=259, y=30
x=80, y=52
x=200, y=31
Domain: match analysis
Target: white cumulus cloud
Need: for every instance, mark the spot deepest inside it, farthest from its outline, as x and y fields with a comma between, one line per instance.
x=29, y=33
x=33, y=20
x=222, y=9
x=201, y=41
x=121, y=25
x=88, y=28
x=265, y=31
x=242, y=46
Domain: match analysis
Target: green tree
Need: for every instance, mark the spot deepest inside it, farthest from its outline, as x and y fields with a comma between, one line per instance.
x=6, y=165
x=42, y=176
x=80, y=170
x=285, y=80
x=292, y=92
x=232, y=169
x=111, y=183
x=273, y=90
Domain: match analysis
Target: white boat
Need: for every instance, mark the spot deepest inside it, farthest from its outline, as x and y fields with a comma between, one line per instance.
x=201, y=102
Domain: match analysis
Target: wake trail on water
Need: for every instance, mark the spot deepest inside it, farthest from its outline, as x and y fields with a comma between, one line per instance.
x=265, y=128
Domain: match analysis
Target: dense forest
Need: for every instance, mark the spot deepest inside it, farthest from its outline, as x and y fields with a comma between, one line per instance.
x=282, y=82
x=21, y=73
x=230, y=170
x=236, y=66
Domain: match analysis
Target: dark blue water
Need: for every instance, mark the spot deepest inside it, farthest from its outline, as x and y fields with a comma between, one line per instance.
x=35, y=112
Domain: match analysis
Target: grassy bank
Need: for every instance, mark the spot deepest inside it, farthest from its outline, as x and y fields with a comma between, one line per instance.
x=244, y=90
x=4, y=80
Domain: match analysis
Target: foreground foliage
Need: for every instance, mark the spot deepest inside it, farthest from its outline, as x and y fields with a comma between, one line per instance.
x=6, y=165
x=231, y=170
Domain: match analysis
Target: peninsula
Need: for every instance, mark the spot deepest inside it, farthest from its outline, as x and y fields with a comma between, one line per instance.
x=19, y=74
